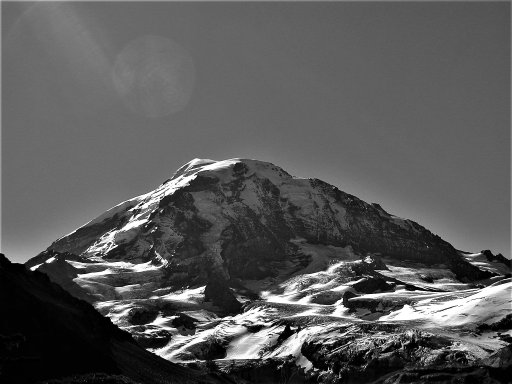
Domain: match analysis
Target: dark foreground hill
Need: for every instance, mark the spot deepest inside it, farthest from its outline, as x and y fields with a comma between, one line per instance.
x=45, y=333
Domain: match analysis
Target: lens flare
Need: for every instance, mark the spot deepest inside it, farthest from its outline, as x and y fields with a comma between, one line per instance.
x=154, y=76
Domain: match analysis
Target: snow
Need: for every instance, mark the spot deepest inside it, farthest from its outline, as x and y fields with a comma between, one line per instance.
x=121, y=207
x=248, y=345
x=129, y=231
x=411, y=273
x=303, y=362
x=191, y=166
x=186, y=295
x=298, y=192
x=479, y=260
x=488, y=305
x=36, y=266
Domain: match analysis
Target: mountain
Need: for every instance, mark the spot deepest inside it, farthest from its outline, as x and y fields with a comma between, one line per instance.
x=240, y=266
x=47, y=334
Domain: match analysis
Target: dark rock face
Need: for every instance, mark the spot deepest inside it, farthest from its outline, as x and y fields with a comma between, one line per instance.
x=184, y=321
x=504, y=324
x=446, y=375
x=250, y=254
x=138, y=316
x=396, y=357
x=158, y=339
x=497, y=258
x=501, y=361
x=346, y=297
x=371, y=285
x=376, y=263
x=49, y=334
x=217, y=291
x=46, y=333
x=95, y=378
x=268, y=371
x=287, y=332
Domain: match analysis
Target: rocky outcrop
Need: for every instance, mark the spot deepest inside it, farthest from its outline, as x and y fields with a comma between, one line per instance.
x=218, y=292
x=185, y=321
x=505, y=324
x=412, y=356
x=445, y=375
x=501, y=361
x=499, y=258
x=372, y=284
x=276, y=370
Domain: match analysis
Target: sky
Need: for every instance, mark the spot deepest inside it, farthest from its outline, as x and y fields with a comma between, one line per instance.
x=406, y=104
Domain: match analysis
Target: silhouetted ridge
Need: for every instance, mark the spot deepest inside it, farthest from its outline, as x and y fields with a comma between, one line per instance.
x=47, y=333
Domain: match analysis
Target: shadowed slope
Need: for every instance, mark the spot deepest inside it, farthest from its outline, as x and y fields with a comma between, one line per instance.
x=46, y=333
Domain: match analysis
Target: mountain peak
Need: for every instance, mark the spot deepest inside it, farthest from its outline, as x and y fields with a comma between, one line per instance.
x=206, y=173
x=193, y=164
x=298, y=252
x=243, y=218
x=222, y=168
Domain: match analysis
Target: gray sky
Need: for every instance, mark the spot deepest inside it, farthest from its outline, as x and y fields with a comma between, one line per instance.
x=404, y=104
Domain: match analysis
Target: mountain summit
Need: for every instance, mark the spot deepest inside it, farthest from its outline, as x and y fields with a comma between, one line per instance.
x=242, y=218
x=237, y=260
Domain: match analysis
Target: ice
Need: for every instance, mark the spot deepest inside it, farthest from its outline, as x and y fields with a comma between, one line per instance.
x=248, y=345
x=479, y=260
x=186, y=295
x=488, y=305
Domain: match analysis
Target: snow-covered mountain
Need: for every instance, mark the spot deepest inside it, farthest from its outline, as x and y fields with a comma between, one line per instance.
x=236, y=261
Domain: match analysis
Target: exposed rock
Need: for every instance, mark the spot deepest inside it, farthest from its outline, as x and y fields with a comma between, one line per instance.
x=427, y=278
x=185, y=321
x=158, y=339
x=327, y=297
x=445, y=375
x=497, y=258
x=218, y=292
x=49, y=253
x=501, y=359
x=209, y=349
x=61, y=272
x=346, y=296
x=276, y=370
x=376, y=262
x=371, y=285
x=94, y=378
x=357, y=357
x=287, y=332
x=504, y=324
x=138, y=316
